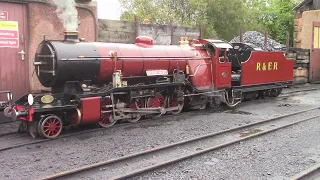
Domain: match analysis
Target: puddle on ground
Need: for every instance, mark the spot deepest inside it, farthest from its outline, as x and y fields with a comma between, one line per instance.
x=84, y=137
x=303, y=99
x=279, y=178
x=145, y=126
x=238, y=112
x=131, y=127
x=284, y=105
x=293, y=101
x=251, y=132
x=149, y=126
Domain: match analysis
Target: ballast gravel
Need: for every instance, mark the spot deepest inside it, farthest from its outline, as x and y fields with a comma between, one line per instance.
x=39, y=160
x=276, y=156
x=9, y=127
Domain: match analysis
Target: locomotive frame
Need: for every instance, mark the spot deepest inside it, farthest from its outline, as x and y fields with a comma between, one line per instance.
x=101, y=90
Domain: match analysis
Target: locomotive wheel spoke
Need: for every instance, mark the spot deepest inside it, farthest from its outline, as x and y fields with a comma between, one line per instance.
x=105, y=121
x=139, y=104
x=50, y=127
x=156, y=102
x=172, y=103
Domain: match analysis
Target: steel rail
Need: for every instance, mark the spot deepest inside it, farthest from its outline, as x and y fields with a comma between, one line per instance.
x=36, y=141
x=125, y=160
x=9, y=134
x=7, y=122
x=310, y=173
x=302, y=90
x=32, y=141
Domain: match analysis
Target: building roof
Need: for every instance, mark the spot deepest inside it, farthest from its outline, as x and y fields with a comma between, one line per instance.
x=304, y=2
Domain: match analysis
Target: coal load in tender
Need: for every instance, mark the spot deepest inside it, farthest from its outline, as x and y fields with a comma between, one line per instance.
x=257, y=39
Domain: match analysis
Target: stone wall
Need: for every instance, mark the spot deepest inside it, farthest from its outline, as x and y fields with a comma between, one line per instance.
x=301, y=58
x=116, y=31
x=126, y=32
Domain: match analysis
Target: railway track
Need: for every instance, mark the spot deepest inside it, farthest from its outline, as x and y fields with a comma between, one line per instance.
x=313, y=173
x=13, y=140
x=299, y=90
x=152, y=159
x=6, y=122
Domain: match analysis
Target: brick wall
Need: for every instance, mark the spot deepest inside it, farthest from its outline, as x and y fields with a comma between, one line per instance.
x=44, y=21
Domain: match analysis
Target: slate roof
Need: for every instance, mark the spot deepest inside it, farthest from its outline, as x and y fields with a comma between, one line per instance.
x=304, y=2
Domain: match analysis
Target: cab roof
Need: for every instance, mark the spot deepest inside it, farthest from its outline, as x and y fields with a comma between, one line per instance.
x=219, y=43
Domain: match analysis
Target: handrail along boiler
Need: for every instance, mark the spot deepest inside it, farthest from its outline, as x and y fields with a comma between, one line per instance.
x=103, y=83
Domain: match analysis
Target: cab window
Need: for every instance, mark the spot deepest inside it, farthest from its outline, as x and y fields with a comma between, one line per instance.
x=211, y=50
x=221, y=55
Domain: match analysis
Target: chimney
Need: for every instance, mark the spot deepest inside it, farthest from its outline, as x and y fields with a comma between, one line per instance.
x=71, y=36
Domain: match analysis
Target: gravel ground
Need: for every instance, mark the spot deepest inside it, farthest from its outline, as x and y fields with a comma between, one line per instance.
x=35, y=161
x=276, y=156
x=284, y=105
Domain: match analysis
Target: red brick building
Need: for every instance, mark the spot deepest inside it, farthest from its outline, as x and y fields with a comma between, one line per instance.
x=23, y=24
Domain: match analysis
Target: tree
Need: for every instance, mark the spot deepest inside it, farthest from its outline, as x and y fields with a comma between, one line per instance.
x=254, y=11
x=187, y=13
x=221, y=18
x=278, y=18
x=226, y=16
x=183, y=12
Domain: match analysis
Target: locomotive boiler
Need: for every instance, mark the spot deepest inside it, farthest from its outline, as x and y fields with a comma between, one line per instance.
x=94, y=82
x=70, y=60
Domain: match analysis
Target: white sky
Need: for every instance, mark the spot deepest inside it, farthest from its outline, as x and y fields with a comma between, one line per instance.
x=108, y=9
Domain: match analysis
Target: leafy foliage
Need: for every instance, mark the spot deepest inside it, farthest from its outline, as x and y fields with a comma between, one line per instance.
x=221, y=18
x=184, y=12
x=279, y=18
x=227, y=16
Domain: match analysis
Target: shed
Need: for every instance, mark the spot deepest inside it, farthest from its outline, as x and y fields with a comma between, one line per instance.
x=307, y=34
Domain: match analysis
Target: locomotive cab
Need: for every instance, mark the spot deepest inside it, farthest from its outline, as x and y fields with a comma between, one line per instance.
x=240, y=53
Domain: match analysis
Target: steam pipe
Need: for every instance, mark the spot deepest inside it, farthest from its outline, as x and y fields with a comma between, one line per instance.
x=71, y=36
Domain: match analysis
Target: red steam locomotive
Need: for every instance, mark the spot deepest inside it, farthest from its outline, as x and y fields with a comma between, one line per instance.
x=102, y=83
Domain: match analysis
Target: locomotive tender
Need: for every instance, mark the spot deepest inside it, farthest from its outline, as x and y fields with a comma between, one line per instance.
x=102, y=83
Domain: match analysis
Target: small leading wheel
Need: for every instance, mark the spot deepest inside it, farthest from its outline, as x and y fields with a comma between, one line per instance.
x=7, y=112
x=106, y=121
x=263, y=94
x=252, y=96
x=172, y=103
x=50, y=126
x=276, y=92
